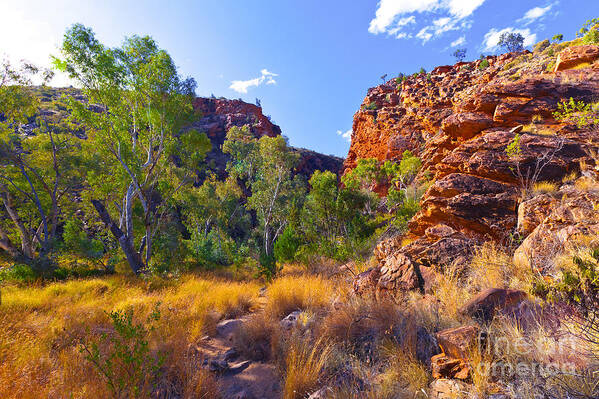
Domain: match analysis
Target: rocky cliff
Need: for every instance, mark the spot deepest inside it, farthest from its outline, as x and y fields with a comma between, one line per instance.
x=220, y=114
x=460, y=119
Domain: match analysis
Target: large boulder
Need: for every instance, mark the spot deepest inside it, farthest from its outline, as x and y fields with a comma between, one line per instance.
x=532, y=212
x=444, y=366
x=456, y=345
x=574, y=56
x=449, y=389
x=458, y=342
x=466, y=125
x=574, y=217
x=398, y=272
x=492, y=301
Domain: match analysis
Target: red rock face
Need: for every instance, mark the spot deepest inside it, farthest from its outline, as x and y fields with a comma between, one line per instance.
x=459, y=119
x=219, y=115
x=574, y=56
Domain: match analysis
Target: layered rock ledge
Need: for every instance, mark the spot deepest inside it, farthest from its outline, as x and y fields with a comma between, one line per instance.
x=460, y=119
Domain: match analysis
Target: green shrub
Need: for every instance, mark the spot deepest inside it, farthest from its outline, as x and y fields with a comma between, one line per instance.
x=592, y=37
x=267, y=267
x=214, y=248
x=19, y=273
x=484, y=64
x=123, y=357
x=372, y=106
x=76, y=240
x=540, y=46
x=589, y=32
x=286, y=245
x=577, y=112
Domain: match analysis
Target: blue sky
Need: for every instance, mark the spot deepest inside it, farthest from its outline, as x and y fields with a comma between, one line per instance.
x=309, y=62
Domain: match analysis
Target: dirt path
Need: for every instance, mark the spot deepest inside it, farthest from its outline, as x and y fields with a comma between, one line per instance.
x=239, y=378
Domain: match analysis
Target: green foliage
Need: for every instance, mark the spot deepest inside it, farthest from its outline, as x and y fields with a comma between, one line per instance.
x=400, y=78
x=18, y=272
x=589, y=32
x=267, y=267
x=38, y=170
x=76, y=240
x=541, y=46
x=557, y=38
x=287, y=245
x=422, y=71
x=577, y=112
x=264, y=166
x=372, y=106
x=123, y=357
x=578, y=286
x=216, y=219
x=405, y=210
x=513, y=149
x=133, y=146
x=334, y=219
x=214, y=248
x=274, y=191
x=340, y=222
x=484, y=64
x=459, y=54
x=511, y=41
x=409, y=166
x=365, y=173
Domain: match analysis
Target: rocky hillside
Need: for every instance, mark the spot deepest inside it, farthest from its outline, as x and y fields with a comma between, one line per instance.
x=460, y=119
x=220, y=114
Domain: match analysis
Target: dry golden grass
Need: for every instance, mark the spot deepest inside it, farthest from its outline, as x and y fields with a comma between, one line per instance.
x=570, y=177
x=587, y=184
x=289, y=293
x=451, y=293
x=404, y=376
x=545, y=187
x=358, y=318
x=41, y=327
x=305, y=364
x=493, y=267
x=536, y=127
x=480, y=362
x=257, y=336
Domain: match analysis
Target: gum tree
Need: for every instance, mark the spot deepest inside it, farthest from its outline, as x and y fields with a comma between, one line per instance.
x=459, y=54
x=37, y=167
x=511, y=41
x=265, y=166
x=141, y=155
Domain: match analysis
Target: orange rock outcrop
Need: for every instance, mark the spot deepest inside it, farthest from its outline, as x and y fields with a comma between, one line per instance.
x=460, y=119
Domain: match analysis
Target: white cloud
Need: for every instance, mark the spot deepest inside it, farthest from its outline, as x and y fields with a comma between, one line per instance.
x=535, y=13
x=345, y=135
x=394, y=17
x=424, y=34
x=464, y=8
x=242, y=86
x=400, y=24
x=459, y=41
x=388, y=11
x=491, y=39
